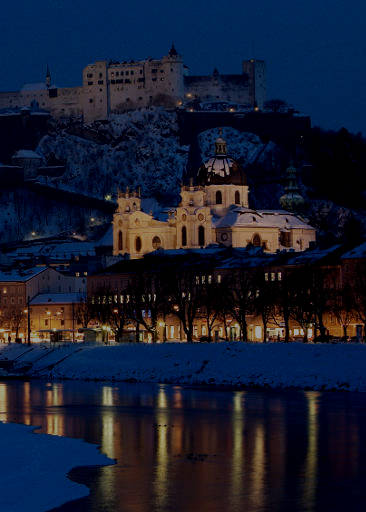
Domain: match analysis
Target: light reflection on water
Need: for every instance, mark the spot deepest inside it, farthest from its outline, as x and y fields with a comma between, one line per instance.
x=195, y=450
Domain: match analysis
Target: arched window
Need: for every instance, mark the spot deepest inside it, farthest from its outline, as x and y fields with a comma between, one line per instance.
x=237, y=197
x=156, y=242
x=184, y=236
x=257, y=242
x=201, y=236
x=120, y=241
x=218, y=197
x=138, y=244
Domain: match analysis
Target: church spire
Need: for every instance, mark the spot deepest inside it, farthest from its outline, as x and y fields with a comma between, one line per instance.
x=173, y=52
x=292, y=200
x=48, y=77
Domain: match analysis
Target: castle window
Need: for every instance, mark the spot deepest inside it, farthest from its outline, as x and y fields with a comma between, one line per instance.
x=184, y=236
x=154, y=71
x=100, y=75
x=132, y=73
x=201, y=236
x=89, y=75
x=127, y=73
x=257, y=242
x=156, y=242
x=117, y=73
x=237, y=197
x=218, y=197
x=138, y=244
x=90, y=83
x=120, y=241
x=100, y=82
x=90, y=100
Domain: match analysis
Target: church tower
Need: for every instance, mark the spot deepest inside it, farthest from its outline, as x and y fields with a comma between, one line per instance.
x=48, y=78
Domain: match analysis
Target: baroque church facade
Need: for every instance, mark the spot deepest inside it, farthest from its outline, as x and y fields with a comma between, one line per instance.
x=213, y=210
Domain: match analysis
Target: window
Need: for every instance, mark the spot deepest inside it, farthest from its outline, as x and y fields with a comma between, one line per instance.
x=256, y=240
x=100, y=82
x=100, y=75
x=184, y=236
x=138, y=244
x=62, y=322
x=237, y=197
x=201, y=236
x=90, y=100
x=89, y=75
x=218, y=197
x=279, y=276
x=120, y=241
x=156, y=242
x=218, y=278
x=90, y=83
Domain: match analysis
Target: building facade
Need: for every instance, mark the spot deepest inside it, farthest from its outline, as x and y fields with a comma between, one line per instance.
x=214, y=210
x=113, y=87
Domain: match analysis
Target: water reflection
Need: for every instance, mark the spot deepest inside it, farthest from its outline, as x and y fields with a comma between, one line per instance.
x=187, y=450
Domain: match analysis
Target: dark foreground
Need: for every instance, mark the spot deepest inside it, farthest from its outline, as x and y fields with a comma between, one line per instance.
x=184, y=450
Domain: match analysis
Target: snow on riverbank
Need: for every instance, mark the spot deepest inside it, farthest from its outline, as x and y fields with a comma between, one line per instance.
x=34, y=468
x=311, y=366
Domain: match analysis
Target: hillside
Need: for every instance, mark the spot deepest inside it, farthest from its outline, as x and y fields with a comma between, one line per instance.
x=143, y=149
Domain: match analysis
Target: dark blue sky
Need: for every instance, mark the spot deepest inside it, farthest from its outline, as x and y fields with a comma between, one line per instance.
x=314, y=49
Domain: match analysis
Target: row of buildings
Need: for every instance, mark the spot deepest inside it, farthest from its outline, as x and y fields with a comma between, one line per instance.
x=113, y=87
x=42, y=303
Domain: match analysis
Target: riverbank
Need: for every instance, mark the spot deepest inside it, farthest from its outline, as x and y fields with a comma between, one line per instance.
x=35, y=468
x=273, y=365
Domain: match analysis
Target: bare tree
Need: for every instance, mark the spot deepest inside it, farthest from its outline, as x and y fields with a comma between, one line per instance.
x=185, y=297
x=241, y=294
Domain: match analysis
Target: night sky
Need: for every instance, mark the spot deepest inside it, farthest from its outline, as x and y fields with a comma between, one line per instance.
x=314, y=49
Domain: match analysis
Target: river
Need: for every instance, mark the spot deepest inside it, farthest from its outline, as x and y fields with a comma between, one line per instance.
x=187, y=450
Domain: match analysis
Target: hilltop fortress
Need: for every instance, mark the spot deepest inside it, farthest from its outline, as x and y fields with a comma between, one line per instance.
x=111, y=87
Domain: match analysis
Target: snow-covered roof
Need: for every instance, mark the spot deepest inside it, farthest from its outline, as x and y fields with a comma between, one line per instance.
x=311, y=256
x=27, y=153
x=246, y=217
x=20, y=275
x=56, y=250
x=36, y=86
x=220, y=166
x=356, y=252
x=56, y=298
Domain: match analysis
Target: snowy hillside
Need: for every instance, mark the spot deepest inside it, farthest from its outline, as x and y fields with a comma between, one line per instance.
x=143, y=150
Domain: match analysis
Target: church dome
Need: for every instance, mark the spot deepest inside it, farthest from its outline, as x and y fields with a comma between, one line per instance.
x=221, y=168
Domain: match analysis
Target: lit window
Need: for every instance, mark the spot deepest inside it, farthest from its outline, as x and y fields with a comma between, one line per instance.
x=258, y=332
x=219, y=278
x=209, y=279
x=266, y=276
x=279, y=276
x=273, y=276
x=77, y=274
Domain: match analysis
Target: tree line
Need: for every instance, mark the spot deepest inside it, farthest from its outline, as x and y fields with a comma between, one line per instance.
x=306, y=296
